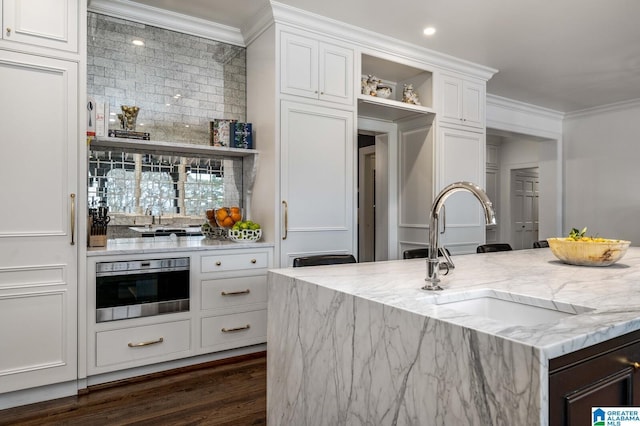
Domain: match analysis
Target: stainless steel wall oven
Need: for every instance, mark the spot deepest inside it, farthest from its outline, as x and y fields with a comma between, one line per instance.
x=140, y=288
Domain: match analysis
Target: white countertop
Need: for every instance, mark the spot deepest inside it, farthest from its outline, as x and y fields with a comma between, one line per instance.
x=122, y=246
x=612, y=292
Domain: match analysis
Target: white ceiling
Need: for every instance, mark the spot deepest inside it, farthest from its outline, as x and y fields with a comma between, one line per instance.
x=565, y=55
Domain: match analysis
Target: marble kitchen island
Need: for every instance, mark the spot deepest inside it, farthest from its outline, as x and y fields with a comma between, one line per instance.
x=364, y=344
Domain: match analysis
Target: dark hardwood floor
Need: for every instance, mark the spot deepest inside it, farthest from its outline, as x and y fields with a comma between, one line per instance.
x=216, y=393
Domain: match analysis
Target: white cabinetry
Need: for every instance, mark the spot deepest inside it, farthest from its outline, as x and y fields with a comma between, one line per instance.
x=316, y=180
x=38, y=254
x=462, y=101
x=227, y=310
x=304, y=191
x=316, y=69
x=51, y=24
x=233, y=288
x=460, y=157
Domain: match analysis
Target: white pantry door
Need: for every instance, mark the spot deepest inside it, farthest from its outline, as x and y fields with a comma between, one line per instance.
x=524, y=208
x=317, y=181
x=38, y=262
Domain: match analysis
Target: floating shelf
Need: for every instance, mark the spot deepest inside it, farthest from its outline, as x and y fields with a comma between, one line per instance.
x=391, y=110
x=142, y=146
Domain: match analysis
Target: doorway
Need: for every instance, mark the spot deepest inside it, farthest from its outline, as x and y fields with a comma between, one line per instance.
x=367, y=202
x=524, y=207
x=377, y=185
x=508, y=154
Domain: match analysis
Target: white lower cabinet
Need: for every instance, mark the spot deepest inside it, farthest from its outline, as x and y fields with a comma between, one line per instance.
x=230, y=331
x=227, y=310
x=233, y=299
x=150, y=343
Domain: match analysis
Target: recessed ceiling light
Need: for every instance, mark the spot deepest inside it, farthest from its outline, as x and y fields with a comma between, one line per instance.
x=429, y=31
x=138, y=42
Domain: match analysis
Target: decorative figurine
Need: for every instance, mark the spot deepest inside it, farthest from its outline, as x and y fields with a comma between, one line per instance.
x=409, y=96
x=370, y=85
x=129, y=116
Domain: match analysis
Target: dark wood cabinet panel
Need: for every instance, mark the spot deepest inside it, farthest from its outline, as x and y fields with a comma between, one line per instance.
x=601, y=375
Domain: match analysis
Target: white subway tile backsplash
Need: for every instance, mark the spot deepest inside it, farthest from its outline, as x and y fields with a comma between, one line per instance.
x=209, y=75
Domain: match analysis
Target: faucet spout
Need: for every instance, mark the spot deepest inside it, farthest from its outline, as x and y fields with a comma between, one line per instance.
x=433, y=263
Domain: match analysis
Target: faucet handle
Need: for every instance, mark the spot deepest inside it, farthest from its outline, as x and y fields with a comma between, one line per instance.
x=447, y=260
x=444, y=266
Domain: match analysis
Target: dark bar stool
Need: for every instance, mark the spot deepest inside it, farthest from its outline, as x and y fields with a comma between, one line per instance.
x=490, y=248
x=420, y=253
x=323, y=259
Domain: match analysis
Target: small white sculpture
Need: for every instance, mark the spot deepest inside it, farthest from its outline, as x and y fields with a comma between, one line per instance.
x=409, y=96
x=370, y=85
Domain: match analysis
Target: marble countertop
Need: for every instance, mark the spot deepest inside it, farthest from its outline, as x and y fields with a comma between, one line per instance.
x=611, y=293
x=123, y=246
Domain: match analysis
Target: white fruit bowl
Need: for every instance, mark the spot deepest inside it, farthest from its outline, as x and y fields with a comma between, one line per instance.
x=244, y=235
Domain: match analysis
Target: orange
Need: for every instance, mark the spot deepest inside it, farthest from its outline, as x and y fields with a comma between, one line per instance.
x=221, y=214
x=235, y=209
x=210, y=214
x=227, y=222
x=236, y=216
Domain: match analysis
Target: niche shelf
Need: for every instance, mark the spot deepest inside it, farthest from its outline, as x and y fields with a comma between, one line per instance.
x=396, y=75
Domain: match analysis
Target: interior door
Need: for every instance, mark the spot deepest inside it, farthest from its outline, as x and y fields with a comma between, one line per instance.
x=524, y=208
x=317, y=181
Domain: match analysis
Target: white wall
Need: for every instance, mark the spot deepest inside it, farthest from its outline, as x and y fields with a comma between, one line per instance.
x=602, y=169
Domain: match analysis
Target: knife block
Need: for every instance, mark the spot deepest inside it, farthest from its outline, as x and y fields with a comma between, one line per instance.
x=95, y=240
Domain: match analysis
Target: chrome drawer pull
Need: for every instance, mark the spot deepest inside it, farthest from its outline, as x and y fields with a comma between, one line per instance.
x=253, y=261
x=218, y=263
x=231, y=330
x=141, y=344
x=235, y=293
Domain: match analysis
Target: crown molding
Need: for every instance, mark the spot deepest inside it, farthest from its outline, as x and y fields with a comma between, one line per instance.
x=294, y=17
x=257, y=24
x=513, y=116
x=614, y=107
x=524, y=107
x=169, y=20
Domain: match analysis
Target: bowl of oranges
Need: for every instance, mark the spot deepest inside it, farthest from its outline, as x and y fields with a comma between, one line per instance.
x=226, y=217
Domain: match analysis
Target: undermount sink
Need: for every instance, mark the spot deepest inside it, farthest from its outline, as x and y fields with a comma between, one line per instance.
x=162, y=230
x=509, y=308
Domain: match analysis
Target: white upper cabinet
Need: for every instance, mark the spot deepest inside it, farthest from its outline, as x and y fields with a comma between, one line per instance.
x=462, y=101
x=316, y=69
x=46, y=23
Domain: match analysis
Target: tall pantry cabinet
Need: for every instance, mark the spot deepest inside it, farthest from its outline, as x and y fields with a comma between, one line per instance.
x=40, y=75
x=300, y=99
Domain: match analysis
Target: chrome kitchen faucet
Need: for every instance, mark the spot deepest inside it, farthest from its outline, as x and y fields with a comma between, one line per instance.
x=433, y=263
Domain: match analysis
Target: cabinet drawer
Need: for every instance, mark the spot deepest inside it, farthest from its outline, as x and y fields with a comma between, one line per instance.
x=234, y=262
x=137, y=343
x=229, y=292
x=236, y=330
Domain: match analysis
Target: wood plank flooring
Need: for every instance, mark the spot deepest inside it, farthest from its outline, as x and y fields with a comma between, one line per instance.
x=226, y=392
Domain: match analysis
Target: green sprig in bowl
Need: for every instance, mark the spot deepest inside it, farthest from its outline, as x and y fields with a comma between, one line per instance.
x=577, y=249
